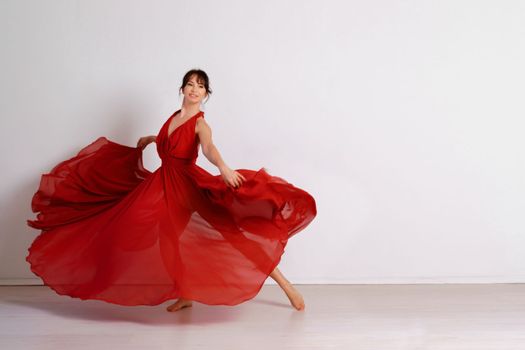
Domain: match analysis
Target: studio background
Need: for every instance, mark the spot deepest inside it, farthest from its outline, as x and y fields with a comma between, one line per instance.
x=404, y=119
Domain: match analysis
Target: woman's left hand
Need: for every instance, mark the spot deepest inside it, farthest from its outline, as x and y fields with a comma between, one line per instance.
x=146, y=140
x=232, y=177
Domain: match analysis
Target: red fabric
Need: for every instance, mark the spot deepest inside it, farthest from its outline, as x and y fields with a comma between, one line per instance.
x=114, y=231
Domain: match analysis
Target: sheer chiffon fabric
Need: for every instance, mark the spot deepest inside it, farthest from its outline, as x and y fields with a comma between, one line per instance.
x=111, y=230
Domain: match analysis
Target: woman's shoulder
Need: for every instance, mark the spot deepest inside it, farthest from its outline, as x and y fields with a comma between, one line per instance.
x=200, y=123
x=200, y=118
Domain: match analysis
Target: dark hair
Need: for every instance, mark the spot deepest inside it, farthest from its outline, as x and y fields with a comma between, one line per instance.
x=202, y=78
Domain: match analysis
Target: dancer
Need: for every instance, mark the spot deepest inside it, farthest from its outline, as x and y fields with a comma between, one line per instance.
x=116, y=232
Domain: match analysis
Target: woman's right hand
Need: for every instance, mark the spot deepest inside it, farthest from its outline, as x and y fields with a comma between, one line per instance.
x=145, y=140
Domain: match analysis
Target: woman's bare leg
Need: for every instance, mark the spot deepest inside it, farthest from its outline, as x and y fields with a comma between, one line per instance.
x=296, y=299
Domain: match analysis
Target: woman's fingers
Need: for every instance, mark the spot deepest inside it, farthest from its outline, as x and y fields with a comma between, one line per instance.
x=235, y=182
x=237, y=179
x=143, y=142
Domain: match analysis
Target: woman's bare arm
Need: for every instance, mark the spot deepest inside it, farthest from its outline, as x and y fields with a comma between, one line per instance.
x=231, y=177
x=208, y=148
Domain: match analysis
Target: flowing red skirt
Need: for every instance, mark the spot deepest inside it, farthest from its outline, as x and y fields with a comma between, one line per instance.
x=114, y=231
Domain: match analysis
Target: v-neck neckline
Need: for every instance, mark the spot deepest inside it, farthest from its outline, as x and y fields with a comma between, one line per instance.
x=173, y=116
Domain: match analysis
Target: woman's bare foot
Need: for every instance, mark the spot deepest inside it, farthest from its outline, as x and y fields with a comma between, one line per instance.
x=296, y=299
x=179, y=304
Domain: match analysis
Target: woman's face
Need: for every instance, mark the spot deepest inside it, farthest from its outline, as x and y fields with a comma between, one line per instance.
x=194, y=91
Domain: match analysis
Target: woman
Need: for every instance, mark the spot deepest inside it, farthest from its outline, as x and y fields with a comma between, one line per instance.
x=113, y=231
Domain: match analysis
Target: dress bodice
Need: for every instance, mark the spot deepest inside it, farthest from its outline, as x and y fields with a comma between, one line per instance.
x=181, y=146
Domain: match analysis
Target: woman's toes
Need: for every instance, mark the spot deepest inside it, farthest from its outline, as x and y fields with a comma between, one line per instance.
x=179, y=304
x=296, y=299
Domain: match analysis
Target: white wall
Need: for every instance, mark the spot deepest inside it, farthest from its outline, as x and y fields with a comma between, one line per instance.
x=403, y=118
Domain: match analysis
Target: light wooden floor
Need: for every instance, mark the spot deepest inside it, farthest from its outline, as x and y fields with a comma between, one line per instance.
x=390, y=317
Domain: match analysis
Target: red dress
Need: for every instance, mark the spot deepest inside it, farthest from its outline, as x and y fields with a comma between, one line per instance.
x=114, y=231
